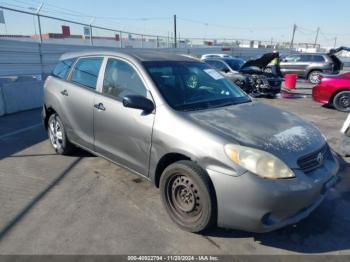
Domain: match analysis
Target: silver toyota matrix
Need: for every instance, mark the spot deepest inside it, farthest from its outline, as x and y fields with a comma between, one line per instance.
x=218, y=157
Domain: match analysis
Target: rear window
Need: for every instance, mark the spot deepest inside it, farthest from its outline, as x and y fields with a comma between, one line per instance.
x=86, y=71
x=63, y=67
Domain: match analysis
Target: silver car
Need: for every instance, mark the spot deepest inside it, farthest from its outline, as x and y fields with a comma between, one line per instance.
x=218, y=157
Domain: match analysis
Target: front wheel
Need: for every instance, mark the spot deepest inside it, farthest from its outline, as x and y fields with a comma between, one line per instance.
x=341, y=101
x=58, y=137
x=188, y=196
x=314, y=77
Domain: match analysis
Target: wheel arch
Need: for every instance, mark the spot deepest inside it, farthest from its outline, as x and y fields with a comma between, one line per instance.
x=48, y=112
x=312, y=70
x=164, y=162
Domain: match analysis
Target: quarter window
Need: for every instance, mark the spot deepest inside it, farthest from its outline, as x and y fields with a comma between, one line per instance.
x=62, y=69
x=121, y=79
x=86, y=71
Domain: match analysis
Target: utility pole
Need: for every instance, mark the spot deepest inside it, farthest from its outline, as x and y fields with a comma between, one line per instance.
x=335, y=42
x=175, y=40
x=39, y=24
x=90, y=26
x=317, y=32
x=292, y=41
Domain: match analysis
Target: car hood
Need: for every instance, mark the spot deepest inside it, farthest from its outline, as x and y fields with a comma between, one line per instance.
x=261, y=62
x=263, y=127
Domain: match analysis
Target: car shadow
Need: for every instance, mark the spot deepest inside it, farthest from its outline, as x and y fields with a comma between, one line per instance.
x=326, y=229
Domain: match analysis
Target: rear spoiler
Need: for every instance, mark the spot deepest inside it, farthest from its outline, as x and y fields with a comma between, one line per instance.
x=337, y=50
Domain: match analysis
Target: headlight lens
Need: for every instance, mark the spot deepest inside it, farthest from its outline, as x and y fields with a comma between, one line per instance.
x=258, y=162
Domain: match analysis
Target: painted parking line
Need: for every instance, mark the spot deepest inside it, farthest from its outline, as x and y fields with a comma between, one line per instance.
x=19, y=131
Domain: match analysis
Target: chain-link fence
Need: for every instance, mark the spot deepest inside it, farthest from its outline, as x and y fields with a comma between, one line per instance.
x=43, y=28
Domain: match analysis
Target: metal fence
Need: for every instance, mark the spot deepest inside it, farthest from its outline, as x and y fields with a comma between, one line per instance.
x=44, y=28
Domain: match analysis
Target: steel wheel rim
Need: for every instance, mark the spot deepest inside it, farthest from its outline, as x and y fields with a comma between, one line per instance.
x=55, y=133
x=344, y=101
x=184, y=198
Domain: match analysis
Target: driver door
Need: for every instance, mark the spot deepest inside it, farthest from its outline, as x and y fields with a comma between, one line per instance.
x=122, y=134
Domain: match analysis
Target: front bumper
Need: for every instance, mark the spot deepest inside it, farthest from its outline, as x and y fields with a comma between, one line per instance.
x=254, y=204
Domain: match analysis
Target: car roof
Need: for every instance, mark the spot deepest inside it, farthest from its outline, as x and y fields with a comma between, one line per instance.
x=223, y=58
x=140, y=55
x=309, y=54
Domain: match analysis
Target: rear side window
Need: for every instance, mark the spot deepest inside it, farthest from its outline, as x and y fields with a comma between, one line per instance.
x=317, y=58
x=306, y=58
x=63, y=67
x=86, y=71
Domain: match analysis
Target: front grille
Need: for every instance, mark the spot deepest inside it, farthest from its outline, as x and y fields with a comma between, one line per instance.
x=314, y=160
x=274, y=83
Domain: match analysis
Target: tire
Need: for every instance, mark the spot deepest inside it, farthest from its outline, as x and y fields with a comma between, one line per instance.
x=341, y=101
x=314, y=76
x=188, y=196
x=58, y=137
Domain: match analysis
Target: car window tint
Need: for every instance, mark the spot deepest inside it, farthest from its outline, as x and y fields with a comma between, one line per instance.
x=121, y=79
x=317, y=58
x=305, y=58
x=211, y=63
x=220, y=65
x=86, y=71
x=293, y=58
x=63, y=67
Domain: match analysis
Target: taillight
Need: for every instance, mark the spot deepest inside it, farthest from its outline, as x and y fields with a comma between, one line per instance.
x=46, y=81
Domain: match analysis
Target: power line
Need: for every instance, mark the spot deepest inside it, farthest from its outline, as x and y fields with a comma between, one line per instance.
x=231, y=27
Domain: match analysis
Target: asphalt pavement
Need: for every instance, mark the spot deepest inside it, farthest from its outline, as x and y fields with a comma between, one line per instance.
x=83, y=204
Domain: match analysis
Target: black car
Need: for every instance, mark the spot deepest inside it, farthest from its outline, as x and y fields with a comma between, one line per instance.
x=250, y=75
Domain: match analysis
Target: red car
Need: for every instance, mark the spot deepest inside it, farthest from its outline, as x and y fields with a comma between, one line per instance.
x=334, y=90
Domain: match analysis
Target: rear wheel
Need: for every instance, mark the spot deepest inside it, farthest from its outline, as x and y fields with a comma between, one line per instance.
x=341, y=101
x=314, y=76
x=188, y=196
x=58, y=137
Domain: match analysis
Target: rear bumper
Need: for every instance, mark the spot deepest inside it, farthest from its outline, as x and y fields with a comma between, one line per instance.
x=250, y=203
x=320, y=94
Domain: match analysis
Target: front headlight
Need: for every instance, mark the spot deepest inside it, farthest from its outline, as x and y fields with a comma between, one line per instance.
x=258, y=162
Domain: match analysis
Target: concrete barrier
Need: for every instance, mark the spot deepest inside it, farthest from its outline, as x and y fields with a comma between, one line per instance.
x=20, y=96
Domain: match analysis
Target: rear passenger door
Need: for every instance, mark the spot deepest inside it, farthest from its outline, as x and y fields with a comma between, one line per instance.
x=122, y=134
x=78, y=100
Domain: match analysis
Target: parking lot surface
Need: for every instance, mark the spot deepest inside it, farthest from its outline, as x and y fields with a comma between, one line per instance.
x=83, y=204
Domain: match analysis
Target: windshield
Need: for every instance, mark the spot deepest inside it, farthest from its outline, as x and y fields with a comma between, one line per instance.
x=235, y=64
x=193, y=85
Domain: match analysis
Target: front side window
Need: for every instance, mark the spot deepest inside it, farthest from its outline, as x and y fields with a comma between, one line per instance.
x=86, y=71
x=193, y=85
x=62, y=69
x=293, y=58
x=121, y=79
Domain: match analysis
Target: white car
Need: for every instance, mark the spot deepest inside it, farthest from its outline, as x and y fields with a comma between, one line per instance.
x=206, y=56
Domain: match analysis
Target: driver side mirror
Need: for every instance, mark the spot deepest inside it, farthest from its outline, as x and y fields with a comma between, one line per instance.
x=138, y=102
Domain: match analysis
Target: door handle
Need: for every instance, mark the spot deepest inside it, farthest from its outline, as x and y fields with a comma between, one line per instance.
x=64, y=92
x=100, y=106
